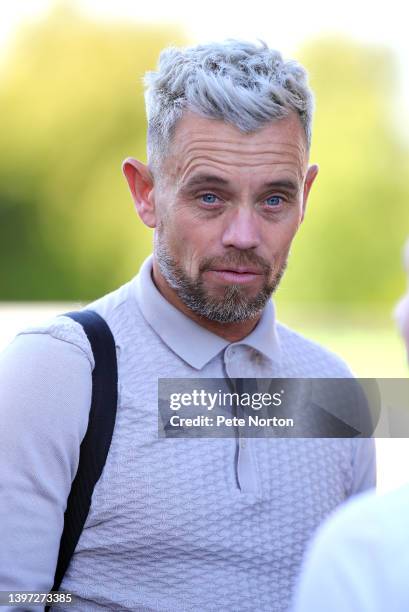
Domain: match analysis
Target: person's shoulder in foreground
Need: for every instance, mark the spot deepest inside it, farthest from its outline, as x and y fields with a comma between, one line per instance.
x=360, y=558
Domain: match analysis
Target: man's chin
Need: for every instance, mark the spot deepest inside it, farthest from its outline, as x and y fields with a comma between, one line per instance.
x=232, y=305
x=232, y=293
x=220, y=289
x=234, y=312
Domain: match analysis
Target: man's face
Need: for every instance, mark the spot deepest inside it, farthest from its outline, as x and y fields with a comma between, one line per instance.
x=227, y=206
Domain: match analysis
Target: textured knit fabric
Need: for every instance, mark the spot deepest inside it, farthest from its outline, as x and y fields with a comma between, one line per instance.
x=175, y=524
x=360, y=558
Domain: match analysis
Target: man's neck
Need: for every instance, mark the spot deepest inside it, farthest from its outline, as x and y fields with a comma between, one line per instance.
x=233, y=332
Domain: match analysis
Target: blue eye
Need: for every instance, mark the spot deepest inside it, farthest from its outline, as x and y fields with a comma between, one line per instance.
x=273, y=201
x=208, y=198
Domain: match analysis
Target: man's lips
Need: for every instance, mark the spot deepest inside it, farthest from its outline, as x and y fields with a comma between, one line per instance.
x=239, y=269
x=239, y=275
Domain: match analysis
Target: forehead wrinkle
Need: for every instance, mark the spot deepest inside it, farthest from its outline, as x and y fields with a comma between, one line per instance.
x=260, y=148
x=193, y=165
x=295, y=152
x=206, y=168
x=246, y=161
x=196, y=132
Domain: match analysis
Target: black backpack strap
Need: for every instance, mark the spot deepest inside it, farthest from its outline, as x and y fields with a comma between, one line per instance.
x=95, y=445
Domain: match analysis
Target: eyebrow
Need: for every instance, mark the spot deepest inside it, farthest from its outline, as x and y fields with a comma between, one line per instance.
x=201, y=179
x=204, y=179
x=285, y=185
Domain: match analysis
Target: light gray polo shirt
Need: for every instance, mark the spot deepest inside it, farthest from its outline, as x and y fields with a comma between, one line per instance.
x=174, y=524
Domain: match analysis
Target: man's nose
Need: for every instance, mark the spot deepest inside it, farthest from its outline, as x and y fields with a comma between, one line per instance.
x=242, y=230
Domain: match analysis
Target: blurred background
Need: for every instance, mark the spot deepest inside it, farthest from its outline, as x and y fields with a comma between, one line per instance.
x=71, y=102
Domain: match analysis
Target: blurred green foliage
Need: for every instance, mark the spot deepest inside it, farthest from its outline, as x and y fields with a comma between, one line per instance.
x=72, y=109
x=348, y=251
x=71, y=100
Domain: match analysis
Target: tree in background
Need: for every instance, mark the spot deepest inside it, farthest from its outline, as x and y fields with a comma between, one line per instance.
x=348, y=252
x=72, y=105
x=72, y=109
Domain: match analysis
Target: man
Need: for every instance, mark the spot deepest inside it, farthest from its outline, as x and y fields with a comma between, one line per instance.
x=178, y=524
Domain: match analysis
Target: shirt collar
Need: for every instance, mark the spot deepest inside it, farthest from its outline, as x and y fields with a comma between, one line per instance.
x=193, y=343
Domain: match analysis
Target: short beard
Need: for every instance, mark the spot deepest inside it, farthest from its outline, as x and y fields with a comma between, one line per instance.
x=233, y=306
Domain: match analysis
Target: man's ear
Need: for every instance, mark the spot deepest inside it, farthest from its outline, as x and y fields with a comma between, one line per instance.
x=140, y=183
x=309, y=179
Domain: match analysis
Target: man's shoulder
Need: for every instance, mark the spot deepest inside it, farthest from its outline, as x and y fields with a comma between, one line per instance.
x=64, y=329
x=310, y=358
x=60, y=329
x=116, y=300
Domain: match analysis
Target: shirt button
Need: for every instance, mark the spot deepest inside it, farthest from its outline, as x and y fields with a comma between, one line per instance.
x=230, y=352
x=243, y=444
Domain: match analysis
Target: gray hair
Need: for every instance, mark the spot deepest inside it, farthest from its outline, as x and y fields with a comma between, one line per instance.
x=235, y=81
